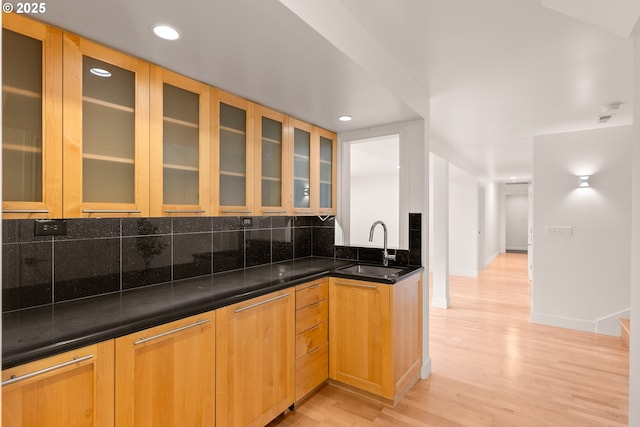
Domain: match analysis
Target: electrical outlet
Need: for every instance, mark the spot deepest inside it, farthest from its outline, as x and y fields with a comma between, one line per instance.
x=246, y=222
x=50, y=227
x=558, y=231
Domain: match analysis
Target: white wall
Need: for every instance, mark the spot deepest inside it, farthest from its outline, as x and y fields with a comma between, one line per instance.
x=375, y=197
x=463, y=223
x=505, y=191
x=634, y=355
x=580, y=281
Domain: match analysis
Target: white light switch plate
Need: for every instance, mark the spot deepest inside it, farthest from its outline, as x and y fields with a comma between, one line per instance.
x=558, y=231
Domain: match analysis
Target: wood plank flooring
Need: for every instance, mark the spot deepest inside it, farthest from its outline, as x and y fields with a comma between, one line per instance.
x=492, y=367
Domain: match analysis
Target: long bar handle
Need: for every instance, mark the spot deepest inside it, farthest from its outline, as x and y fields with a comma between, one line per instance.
x=235, y=211
x=37, y=211
x=356, y=285
x=110, y=211
x=238, y=310
x=173, y=331
x=15, y=379
x=184, y=211
x=274, y=211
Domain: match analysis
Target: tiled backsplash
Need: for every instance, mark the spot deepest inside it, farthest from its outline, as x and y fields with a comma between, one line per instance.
x=99, y=256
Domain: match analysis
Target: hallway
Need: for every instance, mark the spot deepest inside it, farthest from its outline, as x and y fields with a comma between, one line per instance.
x=492, y=367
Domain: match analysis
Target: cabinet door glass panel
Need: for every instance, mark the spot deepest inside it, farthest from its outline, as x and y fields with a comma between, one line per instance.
x=326, y=172
x=301, y=168
x=21, y=117
x=181, y=146
x=233, y=155
x=108, y=132
x=271, y=162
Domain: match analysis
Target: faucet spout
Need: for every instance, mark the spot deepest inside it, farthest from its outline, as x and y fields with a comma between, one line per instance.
x=385, y=254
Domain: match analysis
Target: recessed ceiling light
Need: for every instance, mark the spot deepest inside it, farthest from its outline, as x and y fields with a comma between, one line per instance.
x=100, y=72
x=166, y=32
x=512, y=177
x=345, y=118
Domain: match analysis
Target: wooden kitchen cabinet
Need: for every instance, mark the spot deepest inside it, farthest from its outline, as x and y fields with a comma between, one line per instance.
x=375, y=335
x=232, y=149
x=327, y=159
x=312, y=336
x=180, y=151
x=106, y=131
x=272, y=162
x=165, y=376
x=255, y=359
x=31, y=119
x=75, y=388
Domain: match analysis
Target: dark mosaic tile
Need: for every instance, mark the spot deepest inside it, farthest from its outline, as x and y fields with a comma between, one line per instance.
x=304, y=221
x=192, y=255
x=146, y=260
x=26, y=275
x=323, y=240
x=370, y=255
x=281, y=244
x=302, y=242
x=258, y=247
x=260, y=222
x=145, y=226
x=415, y=247
x=402, y=257
x=328, y=222
x=86, y=267
x=91, y=228
x=228, y=250
x=192, y=225
x=21, y=231
x=223, y=223
x=346, y=252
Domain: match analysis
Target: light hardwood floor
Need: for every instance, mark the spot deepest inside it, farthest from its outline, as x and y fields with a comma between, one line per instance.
x=492, y=367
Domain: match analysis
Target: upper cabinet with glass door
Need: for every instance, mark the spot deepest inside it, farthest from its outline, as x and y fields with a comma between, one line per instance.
x=273, y=190
x=179, y=150
x=106, y=132
x=302, y=135
x=232, y=147
x=31, y=119
x=328, y=171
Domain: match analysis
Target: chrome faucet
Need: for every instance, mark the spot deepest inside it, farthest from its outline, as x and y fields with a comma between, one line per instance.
x=385, y=254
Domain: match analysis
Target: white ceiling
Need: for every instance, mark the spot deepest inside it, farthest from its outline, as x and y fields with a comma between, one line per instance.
x=494, y=73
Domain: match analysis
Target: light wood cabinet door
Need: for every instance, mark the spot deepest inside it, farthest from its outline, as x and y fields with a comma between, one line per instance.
x=255, y=360
x=360, y=335
x=73, y=389
x=272, y=163
x=179, y=147
x=232, y=147
x=302, y=137
x=106, y=131
x=327, y=172
x=165, y=375
x=31, y=119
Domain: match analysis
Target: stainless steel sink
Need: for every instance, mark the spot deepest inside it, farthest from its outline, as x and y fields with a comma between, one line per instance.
x=372, y=271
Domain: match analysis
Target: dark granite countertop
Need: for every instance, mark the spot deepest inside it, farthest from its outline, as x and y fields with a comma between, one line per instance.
x=39, y=332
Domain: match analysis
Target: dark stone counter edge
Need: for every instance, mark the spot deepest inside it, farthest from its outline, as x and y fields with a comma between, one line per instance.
x=29, y=355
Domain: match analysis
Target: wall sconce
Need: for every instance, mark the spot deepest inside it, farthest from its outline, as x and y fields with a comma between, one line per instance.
x=583, y=181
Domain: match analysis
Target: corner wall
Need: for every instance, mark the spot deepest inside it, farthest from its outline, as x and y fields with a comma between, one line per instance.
x=581, y=280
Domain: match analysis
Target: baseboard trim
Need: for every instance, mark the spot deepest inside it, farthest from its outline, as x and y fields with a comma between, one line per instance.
x=440, y=303
x=610, y=325
x=564, y=322
x=425, y=371
x=489, y=260
x=464, y=273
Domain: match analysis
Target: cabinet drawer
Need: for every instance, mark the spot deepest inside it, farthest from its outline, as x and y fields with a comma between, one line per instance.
x=311, y=293
x=311, y=339
x=312, y=369
x=311, y=315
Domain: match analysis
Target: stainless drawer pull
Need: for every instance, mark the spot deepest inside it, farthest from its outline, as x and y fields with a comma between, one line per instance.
x=274, y=211
x=164, y=334
x=110, y=211
x=235, y=211
x=355, y=285
x=238, y=310
x=315, y=286
x=15, y=379
x=184, y=211
x=314, y=350
x=38, y=211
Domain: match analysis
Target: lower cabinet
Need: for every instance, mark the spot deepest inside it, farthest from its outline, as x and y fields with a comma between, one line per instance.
x=255, y=359
x=312, y=336
x=165, y=376
x=375, y=335
x=69, y=389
